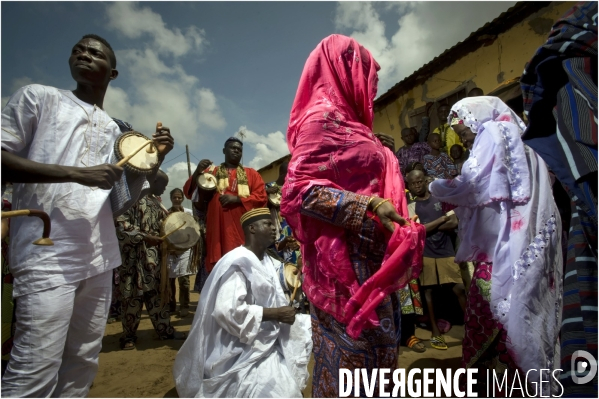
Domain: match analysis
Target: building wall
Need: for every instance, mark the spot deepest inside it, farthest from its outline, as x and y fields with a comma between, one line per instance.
x=486, y=67
x=271, y=171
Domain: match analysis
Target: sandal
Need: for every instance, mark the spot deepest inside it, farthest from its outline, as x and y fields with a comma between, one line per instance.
x=415, y=344
x=128, y=345
x=438, y=342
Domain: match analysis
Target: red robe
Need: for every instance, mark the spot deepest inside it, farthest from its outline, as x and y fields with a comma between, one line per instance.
x=223, y=226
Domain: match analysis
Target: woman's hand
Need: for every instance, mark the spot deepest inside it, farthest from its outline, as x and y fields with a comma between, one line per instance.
x=387, y=214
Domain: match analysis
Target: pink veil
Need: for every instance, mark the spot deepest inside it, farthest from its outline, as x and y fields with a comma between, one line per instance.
x=332, y=145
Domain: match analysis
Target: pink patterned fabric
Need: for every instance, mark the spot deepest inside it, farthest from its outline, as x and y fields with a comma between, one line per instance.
x=332, y=145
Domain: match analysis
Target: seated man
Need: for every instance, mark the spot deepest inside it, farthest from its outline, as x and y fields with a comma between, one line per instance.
x=245, y=341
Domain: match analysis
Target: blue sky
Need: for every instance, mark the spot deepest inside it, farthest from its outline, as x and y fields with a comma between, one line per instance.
x=210, y=69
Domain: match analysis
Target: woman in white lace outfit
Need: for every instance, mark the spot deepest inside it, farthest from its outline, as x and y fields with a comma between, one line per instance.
x=511, y=229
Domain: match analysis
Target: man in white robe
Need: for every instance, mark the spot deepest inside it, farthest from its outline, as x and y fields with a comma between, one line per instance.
x=245, y=341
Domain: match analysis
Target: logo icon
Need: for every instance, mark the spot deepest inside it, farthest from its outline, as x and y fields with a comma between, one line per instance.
x=580, y=363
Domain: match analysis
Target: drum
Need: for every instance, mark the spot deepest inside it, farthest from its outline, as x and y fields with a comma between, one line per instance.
x=180, y=231
x=274, y=199
x=292, y=276
x=207, y=181
x=144, y=161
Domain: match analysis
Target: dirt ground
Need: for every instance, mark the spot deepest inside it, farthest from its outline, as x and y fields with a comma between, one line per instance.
x=147, y=370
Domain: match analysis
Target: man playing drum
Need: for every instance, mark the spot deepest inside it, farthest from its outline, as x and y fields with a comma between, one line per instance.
x=238, y=189
x=180, y=267
x=245, y=341
x=57, y=146
x=138, y=231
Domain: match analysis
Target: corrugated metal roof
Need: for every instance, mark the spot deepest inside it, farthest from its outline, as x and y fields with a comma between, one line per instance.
x=483, y=36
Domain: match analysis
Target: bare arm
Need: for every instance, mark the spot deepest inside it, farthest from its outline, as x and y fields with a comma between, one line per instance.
x=16, y=169
x=450, y=225
x=434, y=225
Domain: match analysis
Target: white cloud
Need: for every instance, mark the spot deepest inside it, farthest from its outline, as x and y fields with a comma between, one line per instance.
x=17, y=83
x=135, y=21
x=268, y=148
x=424, y=30
x=161, y=89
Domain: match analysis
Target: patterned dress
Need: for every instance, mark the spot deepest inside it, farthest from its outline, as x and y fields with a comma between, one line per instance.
x=439, y=166
x=415, y=153
x=140, y=271
x=333, y=347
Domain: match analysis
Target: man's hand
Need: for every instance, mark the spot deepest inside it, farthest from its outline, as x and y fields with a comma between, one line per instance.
x=386, y=140
x=163, y=141
x=204, y=163
x=272, y=190
x=284, y=314
x=102, y=176
x=387, y=214
x=152, y=240
x=228, y=200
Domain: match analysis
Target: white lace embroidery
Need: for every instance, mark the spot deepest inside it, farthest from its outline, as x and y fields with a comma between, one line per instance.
x=509, y=162
x=536, y=249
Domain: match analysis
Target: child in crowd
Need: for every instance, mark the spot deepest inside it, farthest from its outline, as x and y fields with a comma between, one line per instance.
x=438, y=266
x=457, y=155
x=438, y=164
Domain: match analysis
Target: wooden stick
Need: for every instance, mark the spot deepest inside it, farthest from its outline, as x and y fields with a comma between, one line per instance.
x=10, y=214
x=296, y=287
x=293, y=295
x=128, y=157
x=169, y=233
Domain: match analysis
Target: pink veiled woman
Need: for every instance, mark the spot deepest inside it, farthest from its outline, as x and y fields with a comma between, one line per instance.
x=338, y=175
x=510, y=228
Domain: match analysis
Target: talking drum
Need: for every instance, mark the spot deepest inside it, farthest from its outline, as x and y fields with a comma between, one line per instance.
x=207, y=181
x=292, y=276
x=180, y=231
x=136, y=152
x=274, y=199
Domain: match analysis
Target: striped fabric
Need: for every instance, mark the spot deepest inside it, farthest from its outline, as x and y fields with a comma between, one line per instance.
x=579, y=321
x=559, y=87
x=131, y=187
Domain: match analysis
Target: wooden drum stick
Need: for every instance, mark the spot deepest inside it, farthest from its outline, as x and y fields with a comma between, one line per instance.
x=171, y=232
x=128, y=157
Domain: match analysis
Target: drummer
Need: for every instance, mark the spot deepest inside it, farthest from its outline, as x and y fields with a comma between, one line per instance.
x=286, y=246
x=179, y=264
x=239, y=190
x=57, y=147
x=138, y=232
x=273, y=190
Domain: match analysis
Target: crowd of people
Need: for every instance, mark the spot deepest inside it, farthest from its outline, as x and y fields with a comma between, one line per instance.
x=493, y=213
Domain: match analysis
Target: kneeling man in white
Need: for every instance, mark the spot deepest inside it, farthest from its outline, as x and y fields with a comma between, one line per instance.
x=245, y=341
